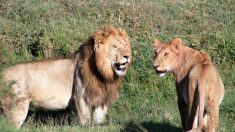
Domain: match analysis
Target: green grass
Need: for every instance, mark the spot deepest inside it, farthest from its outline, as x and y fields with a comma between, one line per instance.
x=37, y=29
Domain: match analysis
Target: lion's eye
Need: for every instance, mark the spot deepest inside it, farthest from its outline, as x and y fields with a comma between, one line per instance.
x=155, y=54
x=114, y=46
x=166, y=54
x=125, y=45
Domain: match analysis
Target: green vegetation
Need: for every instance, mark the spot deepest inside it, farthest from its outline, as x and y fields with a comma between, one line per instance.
x=36, y=29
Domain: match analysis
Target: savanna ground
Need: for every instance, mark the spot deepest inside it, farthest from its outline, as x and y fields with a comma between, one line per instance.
x=36, y=29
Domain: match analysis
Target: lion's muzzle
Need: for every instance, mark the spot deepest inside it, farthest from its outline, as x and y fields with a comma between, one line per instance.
x=121, y=66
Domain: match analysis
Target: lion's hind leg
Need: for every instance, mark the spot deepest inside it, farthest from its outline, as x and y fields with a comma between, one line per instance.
x=19, y=112
x=15, y=103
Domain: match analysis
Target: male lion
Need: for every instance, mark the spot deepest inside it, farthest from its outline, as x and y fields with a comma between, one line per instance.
x=199, y=87
x=90, y=79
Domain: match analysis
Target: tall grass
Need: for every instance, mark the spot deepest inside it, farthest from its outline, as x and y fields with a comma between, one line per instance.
x=36, y=29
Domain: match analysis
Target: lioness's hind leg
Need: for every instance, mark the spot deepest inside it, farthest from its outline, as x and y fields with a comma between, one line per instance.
x=213, y=116
x=205, y=122
x=19, y=112
x=194, y=130
x=195, y=122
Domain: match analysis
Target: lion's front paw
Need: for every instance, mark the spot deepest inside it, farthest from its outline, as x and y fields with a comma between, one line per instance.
x=99, y=115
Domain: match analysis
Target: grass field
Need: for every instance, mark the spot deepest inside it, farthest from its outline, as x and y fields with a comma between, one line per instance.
x=36, y=29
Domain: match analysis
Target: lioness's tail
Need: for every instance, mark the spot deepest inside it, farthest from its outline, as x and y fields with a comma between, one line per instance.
x=201, y=94
x=202, y=88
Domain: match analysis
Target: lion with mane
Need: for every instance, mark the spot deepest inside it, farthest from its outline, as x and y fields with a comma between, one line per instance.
x=90, y=79
x=199, y=87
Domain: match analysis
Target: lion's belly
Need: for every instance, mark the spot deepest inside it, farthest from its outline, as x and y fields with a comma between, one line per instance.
x=51, y=87
x=50, y=93
x=51, y=100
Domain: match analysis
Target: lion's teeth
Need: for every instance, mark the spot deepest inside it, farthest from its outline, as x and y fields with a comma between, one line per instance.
x=122, y=66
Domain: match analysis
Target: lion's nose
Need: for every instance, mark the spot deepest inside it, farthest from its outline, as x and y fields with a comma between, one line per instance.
x=155, y=65
x=126, y=56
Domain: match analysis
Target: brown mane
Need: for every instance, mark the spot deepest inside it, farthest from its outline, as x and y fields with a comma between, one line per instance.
x=100, y=89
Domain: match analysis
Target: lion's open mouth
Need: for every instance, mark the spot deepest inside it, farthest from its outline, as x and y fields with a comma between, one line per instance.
x=161, y=73
x=120, y=66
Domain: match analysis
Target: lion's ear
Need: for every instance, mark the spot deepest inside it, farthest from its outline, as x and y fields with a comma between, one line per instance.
x=100, y=37
x=123, y=33
x=177, y=42
x=156, y=44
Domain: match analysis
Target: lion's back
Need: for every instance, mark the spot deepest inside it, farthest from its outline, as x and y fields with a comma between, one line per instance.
x=47, y=83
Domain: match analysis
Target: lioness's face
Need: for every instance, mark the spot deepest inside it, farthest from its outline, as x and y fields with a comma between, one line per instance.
x=165, y=58
x=119, y=54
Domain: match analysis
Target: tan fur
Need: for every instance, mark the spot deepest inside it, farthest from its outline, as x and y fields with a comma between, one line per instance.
x=90, y=79
x=199, y=87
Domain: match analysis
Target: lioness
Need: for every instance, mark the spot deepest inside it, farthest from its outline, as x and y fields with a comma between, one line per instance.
x=199, y=87
x=90, y=79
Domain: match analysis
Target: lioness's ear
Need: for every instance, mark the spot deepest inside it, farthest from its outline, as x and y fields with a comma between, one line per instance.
x=177, y=42
x=156, y=43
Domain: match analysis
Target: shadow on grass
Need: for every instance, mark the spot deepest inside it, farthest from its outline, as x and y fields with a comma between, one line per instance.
x=150, y=127
x=68, y=117
x=61, y=117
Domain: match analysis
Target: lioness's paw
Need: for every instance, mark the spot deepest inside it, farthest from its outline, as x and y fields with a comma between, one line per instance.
x=194, y=130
